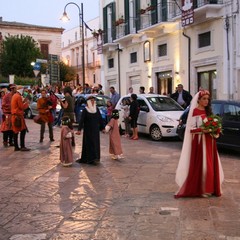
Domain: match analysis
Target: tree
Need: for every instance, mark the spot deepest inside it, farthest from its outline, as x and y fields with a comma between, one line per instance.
x=17, y=55
x=67, y=73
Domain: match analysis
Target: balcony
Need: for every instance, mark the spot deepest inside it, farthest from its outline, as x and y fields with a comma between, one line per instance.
x=161, y=19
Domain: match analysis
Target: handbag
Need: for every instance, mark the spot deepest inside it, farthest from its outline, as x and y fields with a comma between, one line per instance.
x=37, y=119
x=17, y=121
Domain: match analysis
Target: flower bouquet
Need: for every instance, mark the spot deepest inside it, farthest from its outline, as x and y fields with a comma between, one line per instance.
x=213, y=125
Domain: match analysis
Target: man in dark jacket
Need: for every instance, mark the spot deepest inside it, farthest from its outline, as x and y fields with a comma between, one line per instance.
x=181, y=96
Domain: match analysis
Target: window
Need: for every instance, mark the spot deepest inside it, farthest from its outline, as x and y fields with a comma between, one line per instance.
x=75, y=36
x=162, y=50
x=204, y=39
x=44, y=50
x=147, y=51
x=231, y=112
x=133, y=57
x=111, y=63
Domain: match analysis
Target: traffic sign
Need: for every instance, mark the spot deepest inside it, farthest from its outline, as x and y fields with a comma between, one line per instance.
x=41, y=60
x=36, y=72
x=37, y=66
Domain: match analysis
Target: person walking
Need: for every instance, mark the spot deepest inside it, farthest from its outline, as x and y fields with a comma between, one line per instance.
x=133, y=115
x=6, y=126
x=115, y=147
x=53, y=98
x=181, y=96
x=199, y=172
x=66, y=153
x=18, y=106
x=68, y=105
x=114, y=96
x=44, y=107
x=91, y=122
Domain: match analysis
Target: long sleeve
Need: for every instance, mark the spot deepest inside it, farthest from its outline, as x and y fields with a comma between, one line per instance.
x=81, y=122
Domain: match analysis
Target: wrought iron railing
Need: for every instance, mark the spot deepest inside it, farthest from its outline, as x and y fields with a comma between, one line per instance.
x=150, y=16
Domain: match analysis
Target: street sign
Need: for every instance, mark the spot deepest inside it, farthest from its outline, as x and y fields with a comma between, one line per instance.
x=36, y=72
x=41, y=60
x=37, y=66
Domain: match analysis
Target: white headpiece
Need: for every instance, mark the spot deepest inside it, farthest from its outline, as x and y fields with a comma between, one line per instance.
x=183, y=165
x=91, y=106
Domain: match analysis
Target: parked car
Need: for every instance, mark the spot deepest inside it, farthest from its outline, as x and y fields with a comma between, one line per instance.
x=4, y=85
x=158, y=115
x=229, y=111
x=32, y=110
x=101, y=102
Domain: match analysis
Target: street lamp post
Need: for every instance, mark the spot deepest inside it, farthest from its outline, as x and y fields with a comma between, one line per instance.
x=81, y=33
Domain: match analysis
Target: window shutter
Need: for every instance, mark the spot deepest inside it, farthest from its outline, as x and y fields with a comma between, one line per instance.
x=137, y=14
x=105, y=25
x=154, y=15
x=126, y=13
x=164, y=12
x=113, y=6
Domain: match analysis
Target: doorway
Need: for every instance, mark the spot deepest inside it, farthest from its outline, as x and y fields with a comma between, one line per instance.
x=208, y=81
x=164, y=83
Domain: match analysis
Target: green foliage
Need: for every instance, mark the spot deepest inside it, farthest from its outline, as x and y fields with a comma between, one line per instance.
x=19, y=80
x=67, y=73
x=18, y=53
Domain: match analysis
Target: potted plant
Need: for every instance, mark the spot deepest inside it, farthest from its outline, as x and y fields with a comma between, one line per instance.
x=95, y=33
x=150, y=8
x=121, y=20
x=100, y=31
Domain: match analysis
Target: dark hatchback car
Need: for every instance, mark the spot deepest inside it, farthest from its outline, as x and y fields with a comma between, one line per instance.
x=101, y=102
x=230, y=113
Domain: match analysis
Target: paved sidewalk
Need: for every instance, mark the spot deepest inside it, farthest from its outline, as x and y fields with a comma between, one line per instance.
x=129, y=199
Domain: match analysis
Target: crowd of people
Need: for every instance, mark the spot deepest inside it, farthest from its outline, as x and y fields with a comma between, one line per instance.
x=199, y=172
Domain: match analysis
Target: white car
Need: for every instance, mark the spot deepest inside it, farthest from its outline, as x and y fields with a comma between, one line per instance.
x=158, y=115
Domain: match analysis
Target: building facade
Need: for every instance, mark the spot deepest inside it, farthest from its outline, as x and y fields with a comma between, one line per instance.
x=72, y=52
x=48, y=39
x=162, y=43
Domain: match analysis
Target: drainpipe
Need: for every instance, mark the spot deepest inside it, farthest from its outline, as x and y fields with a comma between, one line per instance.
x=227, y=25
x=119, y=70
x=189, y=60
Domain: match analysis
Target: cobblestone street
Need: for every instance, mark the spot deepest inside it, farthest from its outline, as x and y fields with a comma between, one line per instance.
x=128, y=199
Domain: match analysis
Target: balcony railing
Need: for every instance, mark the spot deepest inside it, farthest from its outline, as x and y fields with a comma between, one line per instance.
x=161, y=13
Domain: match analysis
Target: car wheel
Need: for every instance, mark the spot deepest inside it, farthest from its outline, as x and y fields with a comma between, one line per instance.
x=29, y=114
x=155, y=133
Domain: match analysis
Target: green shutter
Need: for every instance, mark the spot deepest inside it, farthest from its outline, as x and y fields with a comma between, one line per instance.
x=154, y=15
x=164, y=12
x=105, y=25
x=113, y=6
x=137, y=14
x=126, y=16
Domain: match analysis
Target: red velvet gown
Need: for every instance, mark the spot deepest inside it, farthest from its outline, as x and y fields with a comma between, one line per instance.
x=204, y=170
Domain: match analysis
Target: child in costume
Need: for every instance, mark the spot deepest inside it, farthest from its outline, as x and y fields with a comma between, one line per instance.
x=66, y=154
x=115, y=147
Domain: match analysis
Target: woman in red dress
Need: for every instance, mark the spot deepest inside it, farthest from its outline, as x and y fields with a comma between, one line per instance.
x=199, y=172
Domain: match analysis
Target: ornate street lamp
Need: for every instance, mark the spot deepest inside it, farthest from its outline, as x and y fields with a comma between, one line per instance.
x=81, y=31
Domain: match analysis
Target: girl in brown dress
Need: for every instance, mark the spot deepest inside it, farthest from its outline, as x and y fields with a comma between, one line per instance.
x=115, y=147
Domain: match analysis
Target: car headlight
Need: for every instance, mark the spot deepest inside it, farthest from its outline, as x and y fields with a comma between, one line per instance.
x=164, y=119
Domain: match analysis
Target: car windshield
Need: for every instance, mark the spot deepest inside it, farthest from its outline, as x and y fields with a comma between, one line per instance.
x=163, y=104
x=101, y=101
